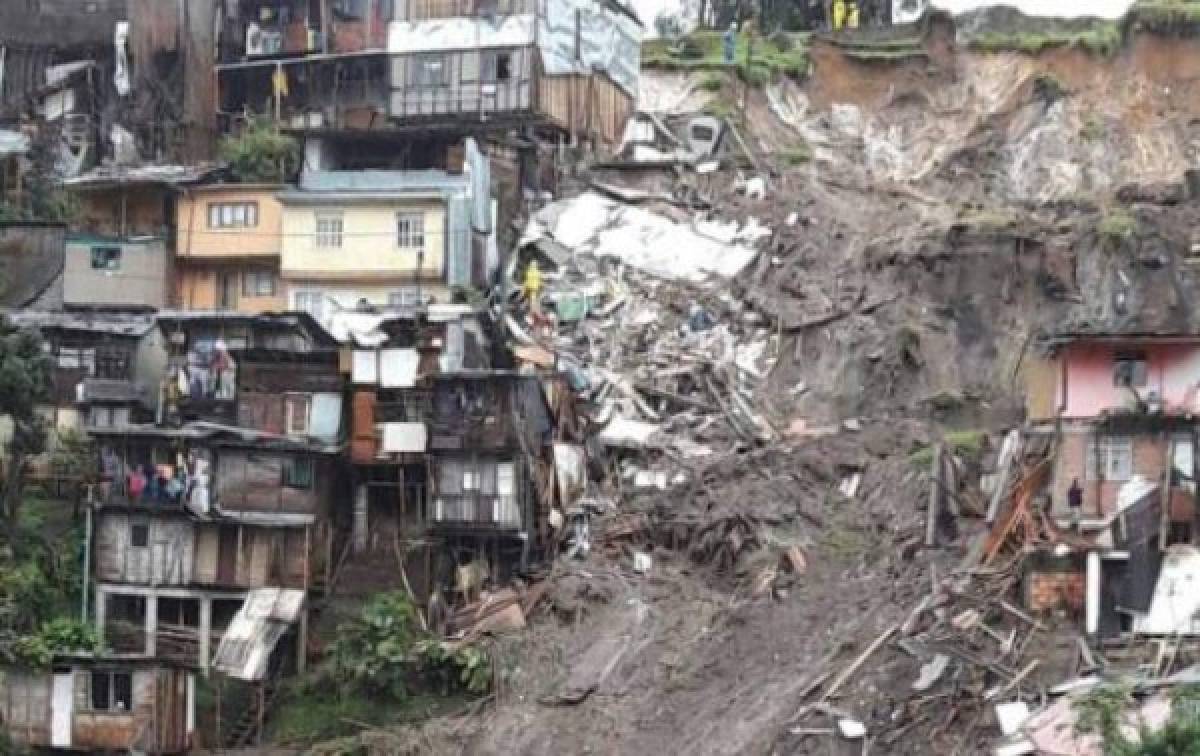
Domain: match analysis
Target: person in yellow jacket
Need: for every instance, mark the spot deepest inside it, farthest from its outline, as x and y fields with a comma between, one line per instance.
x=852, y=14
x=839, y=14
x=533, y=284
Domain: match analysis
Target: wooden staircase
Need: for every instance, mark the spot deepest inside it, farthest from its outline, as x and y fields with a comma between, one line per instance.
x=247, y=730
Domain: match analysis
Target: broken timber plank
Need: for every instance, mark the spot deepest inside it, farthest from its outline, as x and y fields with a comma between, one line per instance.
x=1009, y=452
x=934, y=488
x=862, y=658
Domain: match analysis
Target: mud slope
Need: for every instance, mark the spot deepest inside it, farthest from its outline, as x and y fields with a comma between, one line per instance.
x=955, y=207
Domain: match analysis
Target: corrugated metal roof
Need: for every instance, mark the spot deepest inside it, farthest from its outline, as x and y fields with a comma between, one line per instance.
x=381, y=181
x=110, y=323
x=252, y=634
x=109, y=175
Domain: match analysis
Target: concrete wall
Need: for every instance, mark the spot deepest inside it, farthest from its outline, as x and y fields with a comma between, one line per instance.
x=1100, y=496
x=1173, y=372
x=369, y=246
x=346, y=295
x=140, y=280
x=198, y=240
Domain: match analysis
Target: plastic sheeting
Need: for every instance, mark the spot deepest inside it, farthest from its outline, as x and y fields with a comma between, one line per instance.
x=1176, y=599
x=462, y=33
x=595, y=225
x=13, y=143
x=121, y=69
x=398, y=368
x=365, y=367
x=325, y=417
x=570, y=473
x=579, y=36
x=606, y=40
x=405, y=438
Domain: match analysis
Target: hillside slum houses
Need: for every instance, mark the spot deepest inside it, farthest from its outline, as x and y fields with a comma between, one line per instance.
x=272, y=384
x=238, y=456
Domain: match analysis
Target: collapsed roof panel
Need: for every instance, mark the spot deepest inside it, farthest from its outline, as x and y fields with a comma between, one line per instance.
x=591, y=224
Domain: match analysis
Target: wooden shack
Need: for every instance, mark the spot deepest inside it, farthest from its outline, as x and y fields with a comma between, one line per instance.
x=92, y=705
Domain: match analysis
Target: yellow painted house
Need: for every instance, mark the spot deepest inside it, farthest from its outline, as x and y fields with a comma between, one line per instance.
x=227, y=251
x=387, y=239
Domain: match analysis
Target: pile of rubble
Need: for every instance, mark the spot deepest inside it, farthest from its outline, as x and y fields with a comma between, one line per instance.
x=634, y=308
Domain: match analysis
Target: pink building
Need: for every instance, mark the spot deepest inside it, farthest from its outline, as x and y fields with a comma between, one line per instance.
x=1123, y=408
x=1110, y=375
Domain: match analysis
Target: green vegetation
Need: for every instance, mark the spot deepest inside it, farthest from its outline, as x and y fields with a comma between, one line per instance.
x=1101, y=711
x=261, y=154
x=967, y=443
x=1093, y=129
x=1101, y=38
x=1117, y=226
x=702, y=51
x=797, y=154
x=382, y=670
x=374, y=652
x=24, y=378
x=59, y=635
x=712, y=82
x=1176, y=17
x=881, y=49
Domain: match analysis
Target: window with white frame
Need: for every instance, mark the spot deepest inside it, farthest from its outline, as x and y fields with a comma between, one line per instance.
x=431, y=70
x=311, y=301
x=258, y=283
x=1109, y=458
x=296, y=411
x=497, y=66
x=106, y=258
x=111, y=691
x=409, y=296
x=1129, y=369
x=410, y=230
x=329, y=230
x=232, y=214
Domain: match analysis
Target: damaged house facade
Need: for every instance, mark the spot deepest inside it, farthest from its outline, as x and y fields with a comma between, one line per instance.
x=444, y=447
x=1123, y=412
x=568, y=66
x=229, y=493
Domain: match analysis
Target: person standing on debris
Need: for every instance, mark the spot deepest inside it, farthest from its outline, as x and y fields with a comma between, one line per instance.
x=533, y=284
x=1075, y=496
x=729, y=43
x=1075, y=502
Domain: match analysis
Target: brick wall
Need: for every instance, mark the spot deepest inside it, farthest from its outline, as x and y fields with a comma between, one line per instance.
x=1047, y=590
x=1149, y=452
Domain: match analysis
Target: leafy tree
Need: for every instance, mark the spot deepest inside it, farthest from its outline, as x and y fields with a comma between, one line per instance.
x=383, y=653
x=261, y=153
x=56, y=636
x=373, y=653
x=24, y=383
